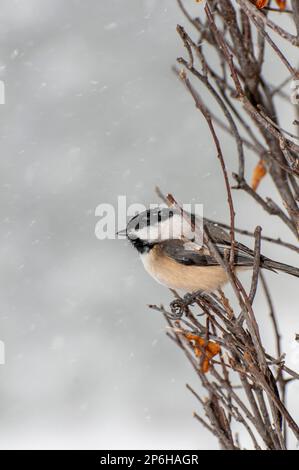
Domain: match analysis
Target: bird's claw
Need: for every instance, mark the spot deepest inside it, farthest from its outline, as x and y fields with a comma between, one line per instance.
x=179, y=306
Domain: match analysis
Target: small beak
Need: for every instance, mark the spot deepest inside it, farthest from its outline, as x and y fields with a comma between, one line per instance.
x=122, y=233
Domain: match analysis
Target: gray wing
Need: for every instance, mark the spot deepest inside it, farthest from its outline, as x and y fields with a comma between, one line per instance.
x=218, y=234
x=183, y=253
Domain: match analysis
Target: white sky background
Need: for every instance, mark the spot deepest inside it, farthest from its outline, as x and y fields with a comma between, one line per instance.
x=93, y=111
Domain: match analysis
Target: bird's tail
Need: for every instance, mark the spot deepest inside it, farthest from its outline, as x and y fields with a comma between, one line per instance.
x=275, y=265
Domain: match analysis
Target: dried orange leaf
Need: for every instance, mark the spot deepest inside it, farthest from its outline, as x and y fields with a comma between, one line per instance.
x=210, y=350
x=213, y=348
x=258, y=174
x=261, y=3
x=195, y=338
x=205, y=366
x=281, y=4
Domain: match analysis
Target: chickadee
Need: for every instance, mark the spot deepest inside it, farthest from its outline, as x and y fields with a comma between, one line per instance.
x=171, y=254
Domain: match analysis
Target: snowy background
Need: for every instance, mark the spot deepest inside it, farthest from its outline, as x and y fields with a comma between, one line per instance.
x=93, y=111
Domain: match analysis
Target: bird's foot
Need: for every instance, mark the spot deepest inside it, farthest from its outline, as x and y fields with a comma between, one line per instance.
x=180, y=306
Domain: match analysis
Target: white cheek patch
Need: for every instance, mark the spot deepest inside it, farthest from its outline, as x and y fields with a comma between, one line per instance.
x=150, y=233
x=176, y=227
x=173, y=228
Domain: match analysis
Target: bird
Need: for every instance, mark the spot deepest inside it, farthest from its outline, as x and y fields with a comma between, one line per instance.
x=173, y=255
